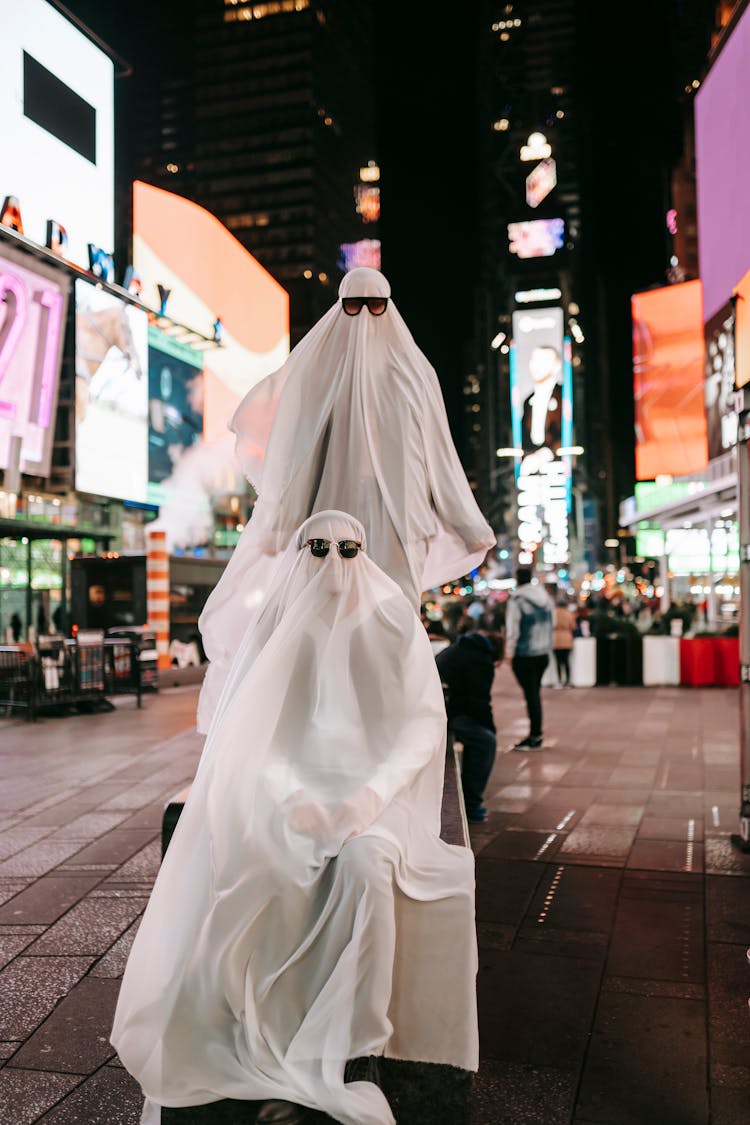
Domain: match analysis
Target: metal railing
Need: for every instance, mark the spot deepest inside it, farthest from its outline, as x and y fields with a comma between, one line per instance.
x=60, y=674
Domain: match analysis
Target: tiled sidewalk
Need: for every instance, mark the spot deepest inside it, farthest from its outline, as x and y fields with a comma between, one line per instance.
x=613, y=913
x=82, y=800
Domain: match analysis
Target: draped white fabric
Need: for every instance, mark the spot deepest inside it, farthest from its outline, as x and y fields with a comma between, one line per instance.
x=307, y=911
x=353, y=421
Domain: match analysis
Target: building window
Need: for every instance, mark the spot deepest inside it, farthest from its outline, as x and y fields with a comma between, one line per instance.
x=241, y=10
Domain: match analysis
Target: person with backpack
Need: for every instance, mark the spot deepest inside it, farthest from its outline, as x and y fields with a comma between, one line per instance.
x=528, y=643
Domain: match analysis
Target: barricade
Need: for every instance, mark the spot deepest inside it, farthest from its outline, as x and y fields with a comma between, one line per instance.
x=81, y=674
x=18, y=678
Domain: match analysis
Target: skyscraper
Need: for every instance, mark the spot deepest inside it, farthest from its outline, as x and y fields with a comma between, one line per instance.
x=268, y=127
x=530, y=200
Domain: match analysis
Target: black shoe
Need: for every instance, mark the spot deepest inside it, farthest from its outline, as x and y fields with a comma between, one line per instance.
x=281, y=1113
x=529, y=743
x=366, y=1069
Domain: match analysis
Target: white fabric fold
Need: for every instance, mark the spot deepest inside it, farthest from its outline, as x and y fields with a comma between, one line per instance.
x=307, y=911
x=353, y=421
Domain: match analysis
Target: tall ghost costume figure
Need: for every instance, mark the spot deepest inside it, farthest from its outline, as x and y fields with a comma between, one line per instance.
x=307, y=911
x=355, y=421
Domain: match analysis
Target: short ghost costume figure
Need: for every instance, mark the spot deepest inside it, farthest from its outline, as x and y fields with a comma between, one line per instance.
x=307, y=911
x=353, y=421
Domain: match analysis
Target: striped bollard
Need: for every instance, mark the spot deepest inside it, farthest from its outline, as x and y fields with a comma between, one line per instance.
x=157, y=594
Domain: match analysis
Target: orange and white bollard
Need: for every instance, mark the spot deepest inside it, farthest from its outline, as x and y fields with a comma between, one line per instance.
x=157, y=594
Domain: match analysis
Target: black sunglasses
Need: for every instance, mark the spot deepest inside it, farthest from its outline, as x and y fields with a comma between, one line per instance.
x=376, y=306
x=347, y=548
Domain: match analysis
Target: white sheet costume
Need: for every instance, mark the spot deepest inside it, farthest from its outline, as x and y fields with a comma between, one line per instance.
x=354, y=421
x=307, y=911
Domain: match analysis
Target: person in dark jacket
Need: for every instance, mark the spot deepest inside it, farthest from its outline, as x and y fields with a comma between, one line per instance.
x=467, y=668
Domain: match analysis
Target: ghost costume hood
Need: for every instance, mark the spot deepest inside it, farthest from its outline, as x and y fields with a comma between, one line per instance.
x=353, y=421
x=306, y=908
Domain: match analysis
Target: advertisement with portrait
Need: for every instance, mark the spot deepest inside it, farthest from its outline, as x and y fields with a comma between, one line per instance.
x=721, y=418
x=111, y=395
x=33, y=304
x=175, y=407
x=668, y=378
x=541, y=387
x=57, y=146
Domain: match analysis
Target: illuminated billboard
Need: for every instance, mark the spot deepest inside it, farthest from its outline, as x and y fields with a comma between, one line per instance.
x=57, y=151
x=33, y=303
x=111, y=395
x=366, y=252
x=367, y=201
x=210, y=276
x=540, y=182
x=536, y=238
x=175, y=407
x=670, y=419
x=184, y=248
x=721, y=417
x=541, y=388
x=722, y=122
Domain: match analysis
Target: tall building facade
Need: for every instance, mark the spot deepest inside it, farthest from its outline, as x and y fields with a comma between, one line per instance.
x=615, y=215
x=266, y=118
x=531, y=257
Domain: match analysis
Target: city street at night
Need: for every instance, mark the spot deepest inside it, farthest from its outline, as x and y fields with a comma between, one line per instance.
x=613, y=911
x=374, y=563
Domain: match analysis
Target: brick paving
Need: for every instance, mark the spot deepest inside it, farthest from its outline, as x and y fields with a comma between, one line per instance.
x=613, y=912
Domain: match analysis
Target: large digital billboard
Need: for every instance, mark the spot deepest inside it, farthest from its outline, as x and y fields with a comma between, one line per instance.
x=536, y=238
x=722, y=156
x=186, y=250
x=353, y=255
x=57, y=140
x=111, y=395
x=33, y=303
x=670, y=419
x=541, y=388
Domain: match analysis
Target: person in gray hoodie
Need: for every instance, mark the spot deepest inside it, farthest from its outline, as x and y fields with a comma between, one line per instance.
x=528, y=642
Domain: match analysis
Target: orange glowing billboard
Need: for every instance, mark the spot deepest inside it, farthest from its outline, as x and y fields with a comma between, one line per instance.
x=668, y=375
x=185, y=249
x=187, y=258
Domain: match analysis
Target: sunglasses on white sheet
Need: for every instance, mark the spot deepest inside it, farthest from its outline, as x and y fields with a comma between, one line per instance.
x=347, y=548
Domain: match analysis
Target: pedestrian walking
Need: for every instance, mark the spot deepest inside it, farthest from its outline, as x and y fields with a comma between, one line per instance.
x=562, y=641
x=467, y=669
x=528, y=644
